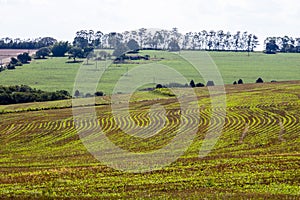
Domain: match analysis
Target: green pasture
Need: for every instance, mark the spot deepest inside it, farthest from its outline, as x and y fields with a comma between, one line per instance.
x=55, y=74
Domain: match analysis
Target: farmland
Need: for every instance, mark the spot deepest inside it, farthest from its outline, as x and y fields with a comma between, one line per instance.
x=55, y=74
x=6, y=54
x=256, y=156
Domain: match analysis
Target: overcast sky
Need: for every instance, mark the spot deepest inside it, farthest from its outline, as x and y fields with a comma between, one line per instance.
x=62, y=18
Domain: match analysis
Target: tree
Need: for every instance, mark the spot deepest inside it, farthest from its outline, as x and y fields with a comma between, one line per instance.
x=15, y=61
x=240, y=81
x=47, y=42
x=210, y=83
x=99, y=94
x=141, y=33
x=43, y=52
x=120, y=50
x=88, y=53
x=76, y=52
x=60, y=49
x=133, y=45
x=24, y=58
x=200, y=85
x=174, y=46
x=82, y=39
x=271, y=46
x=159, y=86
x=77, y=93
x=103, y=55
x=259, y=80
x=192, y=84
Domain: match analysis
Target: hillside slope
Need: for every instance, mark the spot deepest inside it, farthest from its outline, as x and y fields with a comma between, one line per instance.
x=256, y=156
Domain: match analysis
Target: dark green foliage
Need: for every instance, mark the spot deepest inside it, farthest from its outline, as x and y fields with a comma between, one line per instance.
x=284, y=44
x=174, y=46
x=37, y=43
x=88, y=95
x=120, y=50
x=15, y=62
x=259, y=80
x=88, y=38
x=99, y=94
x=60, y=49
x=88, y=50
x=11, y=66
x=77, y=93
x=240, y=81
x=159, y=86
x=271, y=47
x=133, y=45
x=234, y=83
x=192, y=84
x=24, y=58
x=200, y=85
x=210, y=83
x=43, y=52
x=25, y=94
x=76, y=52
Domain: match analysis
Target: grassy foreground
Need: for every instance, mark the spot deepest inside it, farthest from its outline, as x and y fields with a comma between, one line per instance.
x=256, y=157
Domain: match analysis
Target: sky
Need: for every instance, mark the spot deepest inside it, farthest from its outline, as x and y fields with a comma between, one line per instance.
x=62, y=18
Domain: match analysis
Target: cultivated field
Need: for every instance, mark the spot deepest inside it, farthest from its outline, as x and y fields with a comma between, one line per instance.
x=256, y=157
x=6, y=54
x=55, y=74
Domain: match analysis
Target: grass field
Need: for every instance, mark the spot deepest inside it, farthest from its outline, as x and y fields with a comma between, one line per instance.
x=256, y=157
x=55, y=74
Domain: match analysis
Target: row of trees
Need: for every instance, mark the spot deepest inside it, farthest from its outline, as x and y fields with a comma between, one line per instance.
x=59, y=49
x=284, y=44
x=169, y=40
x=23, y=58
x=160, y=39
x=26, y=94
x=9, y=43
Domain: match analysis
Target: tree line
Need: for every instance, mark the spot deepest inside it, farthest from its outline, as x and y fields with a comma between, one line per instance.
x=284, y=44
x=26, y=94
x=169, y=40
x=37, y=43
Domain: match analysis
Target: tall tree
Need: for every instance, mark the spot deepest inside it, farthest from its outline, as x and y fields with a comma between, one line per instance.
x=59, y=49
x=76, y=52
x=133, y=45
x=43, y=52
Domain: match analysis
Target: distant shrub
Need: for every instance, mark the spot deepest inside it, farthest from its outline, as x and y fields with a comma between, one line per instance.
x=234, y=83
x=99, y=94
x=175, y=85
x=11, y=66
x=240, y=81
x=259, y=80
x=273, y=81
x=210, y=83
x=88, y=95
x=200, y=85
x=159, y=86
x=77, y=93
x=192, y=84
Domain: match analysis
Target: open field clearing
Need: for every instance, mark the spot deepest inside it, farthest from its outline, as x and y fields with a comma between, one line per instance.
x=55, y=74
x=256, y=157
